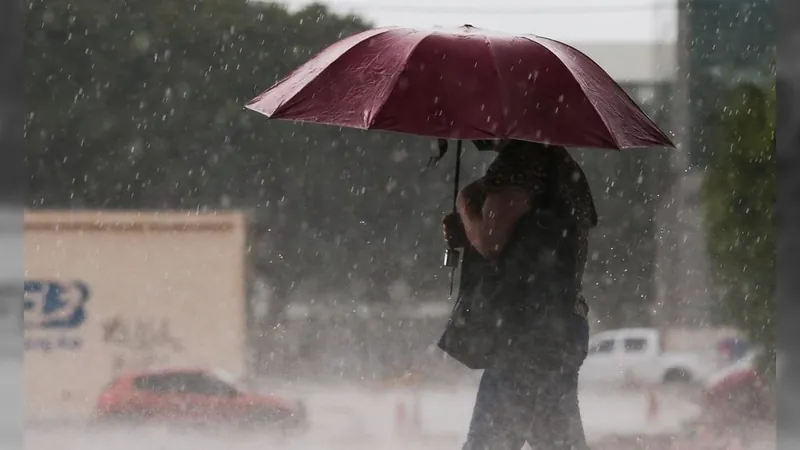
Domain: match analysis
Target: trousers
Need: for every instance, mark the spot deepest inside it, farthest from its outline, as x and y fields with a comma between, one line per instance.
x=534, y=401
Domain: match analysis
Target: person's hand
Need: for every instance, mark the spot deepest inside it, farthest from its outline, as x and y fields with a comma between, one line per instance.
x=453, y=228
x=475, y=191
x=471, y=197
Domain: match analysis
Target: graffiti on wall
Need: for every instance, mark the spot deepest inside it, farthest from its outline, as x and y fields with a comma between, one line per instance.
x=53, y=313
x=140, y=343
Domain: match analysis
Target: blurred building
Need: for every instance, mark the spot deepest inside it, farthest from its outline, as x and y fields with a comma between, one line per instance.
x=720, y=43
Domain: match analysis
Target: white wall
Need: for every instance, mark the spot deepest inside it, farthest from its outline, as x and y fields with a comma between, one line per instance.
x=633, y=62
x=164, y=289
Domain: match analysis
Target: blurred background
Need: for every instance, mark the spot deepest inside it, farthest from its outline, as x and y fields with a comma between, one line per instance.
x=171, y=233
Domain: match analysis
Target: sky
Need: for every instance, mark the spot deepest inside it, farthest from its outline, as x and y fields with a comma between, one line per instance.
x=590, y=21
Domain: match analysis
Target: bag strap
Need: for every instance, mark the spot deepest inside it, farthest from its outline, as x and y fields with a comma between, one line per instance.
x=553, y=201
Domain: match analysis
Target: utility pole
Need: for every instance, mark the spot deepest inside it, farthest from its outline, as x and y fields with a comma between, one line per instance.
x=683, y=277
x=667, y=233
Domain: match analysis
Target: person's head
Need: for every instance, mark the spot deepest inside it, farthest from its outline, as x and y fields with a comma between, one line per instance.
x=520, y=163
x=484, y=145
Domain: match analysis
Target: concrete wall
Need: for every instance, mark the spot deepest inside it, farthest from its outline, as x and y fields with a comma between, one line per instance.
x=685, y=290
x=633, y=62
x=108, y=292
x=697, y=339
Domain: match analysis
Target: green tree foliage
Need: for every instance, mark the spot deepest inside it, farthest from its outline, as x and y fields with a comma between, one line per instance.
x=140, y=103
x=739, y=198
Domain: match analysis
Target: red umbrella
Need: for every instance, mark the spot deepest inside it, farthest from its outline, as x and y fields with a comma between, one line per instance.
x=462, y=84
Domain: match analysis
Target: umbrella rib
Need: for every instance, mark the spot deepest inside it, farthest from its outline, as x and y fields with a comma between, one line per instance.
x=287, y=102
x=503, y=96
x=393, y=83
x=646, y=117
x=622, y=91
x=580, y=86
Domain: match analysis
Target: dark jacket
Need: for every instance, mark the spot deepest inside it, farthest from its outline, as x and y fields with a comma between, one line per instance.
x=523, y=299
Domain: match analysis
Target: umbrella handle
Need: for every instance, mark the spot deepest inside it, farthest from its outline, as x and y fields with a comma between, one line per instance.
x=452, y=255
x=457, y=176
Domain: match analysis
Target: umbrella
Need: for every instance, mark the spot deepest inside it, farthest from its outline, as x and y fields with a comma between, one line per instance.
x=462, y=84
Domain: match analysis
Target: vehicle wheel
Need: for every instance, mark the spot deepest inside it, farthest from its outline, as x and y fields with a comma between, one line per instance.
x=677, y=375
x=265, y=419
x=113, y=421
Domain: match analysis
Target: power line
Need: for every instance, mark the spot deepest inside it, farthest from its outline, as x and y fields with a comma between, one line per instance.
x=454, y=9
x=551, y=10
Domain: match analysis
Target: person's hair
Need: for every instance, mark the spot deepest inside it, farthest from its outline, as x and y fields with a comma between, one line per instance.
x=522, y=150
x=515, y=155
x=501, y=144
x=484, y=144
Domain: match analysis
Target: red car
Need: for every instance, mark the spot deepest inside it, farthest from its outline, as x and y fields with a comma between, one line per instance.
x=736, y=390
x=193, y=397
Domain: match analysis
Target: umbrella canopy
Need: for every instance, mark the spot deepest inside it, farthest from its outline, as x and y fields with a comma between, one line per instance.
x=462, y=84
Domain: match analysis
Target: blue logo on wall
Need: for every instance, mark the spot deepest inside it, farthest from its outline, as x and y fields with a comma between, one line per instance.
x=55, y=307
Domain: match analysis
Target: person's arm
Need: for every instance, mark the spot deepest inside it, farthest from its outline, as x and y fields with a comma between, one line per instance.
x=489, y=222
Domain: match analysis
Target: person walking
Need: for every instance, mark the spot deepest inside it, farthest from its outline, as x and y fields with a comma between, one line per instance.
x=524, y=227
